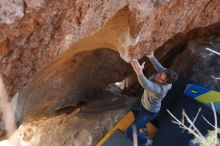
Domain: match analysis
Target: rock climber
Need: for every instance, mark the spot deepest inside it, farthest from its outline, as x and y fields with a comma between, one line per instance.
x=155, y=89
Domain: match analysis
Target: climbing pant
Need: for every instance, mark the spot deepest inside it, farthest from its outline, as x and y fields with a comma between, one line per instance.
x=142, y=117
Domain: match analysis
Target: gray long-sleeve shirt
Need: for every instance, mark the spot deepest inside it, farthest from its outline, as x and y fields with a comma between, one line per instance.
x=153, y=92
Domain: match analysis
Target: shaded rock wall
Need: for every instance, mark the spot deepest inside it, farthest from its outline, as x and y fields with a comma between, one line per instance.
x=71, y=83
x=199, y=64
x=77, y=73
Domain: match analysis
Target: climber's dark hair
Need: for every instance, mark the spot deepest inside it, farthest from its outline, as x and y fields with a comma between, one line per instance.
x=171, y=76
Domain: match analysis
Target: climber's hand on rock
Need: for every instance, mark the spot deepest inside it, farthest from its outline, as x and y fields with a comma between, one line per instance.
x=149, y=54
x=137, y=67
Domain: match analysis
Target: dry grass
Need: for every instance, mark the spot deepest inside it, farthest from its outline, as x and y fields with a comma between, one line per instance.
x=211, y=139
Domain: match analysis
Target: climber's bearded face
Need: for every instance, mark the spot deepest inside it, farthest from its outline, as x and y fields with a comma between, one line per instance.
x=161, y=78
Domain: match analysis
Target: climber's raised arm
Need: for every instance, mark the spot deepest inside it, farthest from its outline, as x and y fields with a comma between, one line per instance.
x=145, y=83
x=155, y=62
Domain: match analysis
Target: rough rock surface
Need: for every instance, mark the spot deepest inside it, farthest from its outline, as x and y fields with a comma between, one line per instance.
x=199, y=64
x=11, y=11
x=62, y=54
x=48, y=28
